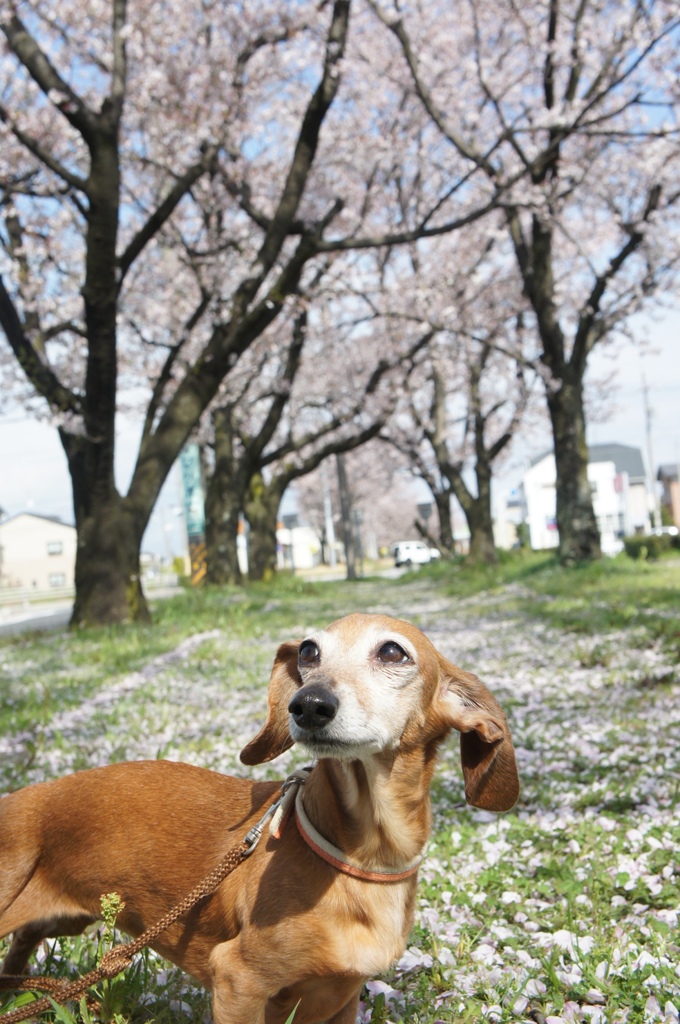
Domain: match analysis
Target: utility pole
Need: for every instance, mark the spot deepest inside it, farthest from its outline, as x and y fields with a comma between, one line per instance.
x=650, y=453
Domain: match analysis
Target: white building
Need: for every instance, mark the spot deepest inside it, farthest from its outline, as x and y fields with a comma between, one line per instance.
x=36, y=552
x=621, y=499
x=297, y=547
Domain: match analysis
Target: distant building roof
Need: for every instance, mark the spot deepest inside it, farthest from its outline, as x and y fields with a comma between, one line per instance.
x=539, y=458
x=668, y=472
x=36, y=515
x=626, y=460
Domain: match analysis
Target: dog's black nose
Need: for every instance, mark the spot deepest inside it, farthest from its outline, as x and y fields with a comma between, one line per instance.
x=312, y=707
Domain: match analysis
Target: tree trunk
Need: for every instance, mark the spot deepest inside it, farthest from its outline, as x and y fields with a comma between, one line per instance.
x=443, y=503
x=477, y=511
x=579, y=539
x=479, y=517
x=224, y=502
x=222, y=511
x=346, y=518
x=107, y=577
x=262, y=505
x=576, y=523
x=482, y=546
x=107, y=573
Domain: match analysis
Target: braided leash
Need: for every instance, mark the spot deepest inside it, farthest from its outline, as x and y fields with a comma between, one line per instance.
x=120, y=957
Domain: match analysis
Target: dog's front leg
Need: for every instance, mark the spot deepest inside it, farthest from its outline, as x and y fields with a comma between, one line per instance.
x=239, y=993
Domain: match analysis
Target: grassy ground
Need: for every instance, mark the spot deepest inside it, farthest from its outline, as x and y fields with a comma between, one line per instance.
x=568, y=905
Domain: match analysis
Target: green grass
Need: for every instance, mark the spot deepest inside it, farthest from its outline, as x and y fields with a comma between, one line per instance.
x=567, y=905
x=603, y=597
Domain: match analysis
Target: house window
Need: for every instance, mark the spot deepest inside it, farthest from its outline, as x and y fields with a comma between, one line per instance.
x=57, y=579
x=54, y=547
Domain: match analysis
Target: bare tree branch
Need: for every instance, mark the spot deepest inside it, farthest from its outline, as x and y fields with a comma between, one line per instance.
x=41, y=376
x=585, y=339
x=165, y=209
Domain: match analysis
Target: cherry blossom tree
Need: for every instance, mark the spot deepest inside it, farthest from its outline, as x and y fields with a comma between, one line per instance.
x=466, y=396
x=441, y=443
x=570, y=109
x=465, y=393
x=325, y=398
x=169, y=175
x=79, y=148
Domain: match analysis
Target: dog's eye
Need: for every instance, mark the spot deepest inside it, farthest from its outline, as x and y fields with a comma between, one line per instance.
x=392, y=653
x=308, y=653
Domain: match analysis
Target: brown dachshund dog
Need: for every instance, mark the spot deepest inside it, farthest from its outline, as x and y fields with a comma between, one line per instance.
x=314, y=912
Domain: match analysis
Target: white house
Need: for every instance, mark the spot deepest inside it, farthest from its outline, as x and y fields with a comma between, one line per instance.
x=36, y=552
x=618, y=484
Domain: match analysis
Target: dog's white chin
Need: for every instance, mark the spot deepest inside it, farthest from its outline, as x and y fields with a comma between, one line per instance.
x=341, y=750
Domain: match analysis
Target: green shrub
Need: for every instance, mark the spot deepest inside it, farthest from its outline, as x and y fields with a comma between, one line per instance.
x=651, y=547
x=523, y=536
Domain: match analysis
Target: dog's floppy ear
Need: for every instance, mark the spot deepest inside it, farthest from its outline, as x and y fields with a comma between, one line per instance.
x=486, y=751
x=274, y=736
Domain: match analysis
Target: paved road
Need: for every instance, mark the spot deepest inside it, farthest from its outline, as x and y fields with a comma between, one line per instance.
x=28, y=617
x=56, y=614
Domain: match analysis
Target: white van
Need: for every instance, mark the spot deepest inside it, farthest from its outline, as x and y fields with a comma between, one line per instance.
x=413, y=552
